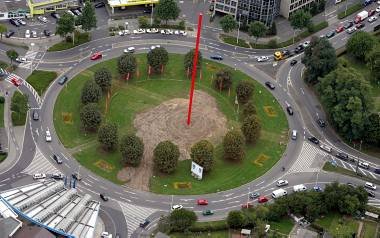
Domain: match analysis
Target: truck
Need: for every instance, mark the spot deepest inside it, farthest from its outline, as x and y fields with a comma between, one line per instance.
x=280, y=55
x=279, y=193
x=361, y=16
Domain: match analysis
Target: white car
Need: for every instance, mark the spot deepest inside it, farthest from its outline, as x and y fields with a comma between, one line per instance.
x=306, y=44
x=39, y=176
x=163, y=32
x=44, y=19
x=154, y=30
x=141, y=31
x=176, y=207
x=135, y=32
x=176, y=32
x=184, y=33
x=370, y=185
x=34, y=34
x=282, y=182
x=21, y=60
x=351, y=30
x=22, y=22
x=262, y=58
x=378, y=9
x=372, y=19
x=121, y=33
x=48, y=136
x=169, y=32
x=148, y=31
x=326, y=148
x=129, y=50
x=27, y=34
x=154, y=47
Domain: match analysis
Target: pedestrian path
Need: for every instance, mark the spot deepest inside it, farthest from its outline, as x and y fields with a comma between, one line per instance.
x=40, y=164
x=27, y=85
x=309, y=160
x=134, y=215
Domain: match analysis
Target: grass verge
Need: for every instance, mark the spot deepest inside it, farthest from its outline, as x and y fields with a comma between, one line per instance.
x=284, y=226
x=80, y=38
x=19, y=108
x=232, y=41
x=354, y=8
x=40, y=80
x=369, y=229
x=206, y=234
x=337, y=225
x=1, y=114
x=3, y=157
x=331, y=168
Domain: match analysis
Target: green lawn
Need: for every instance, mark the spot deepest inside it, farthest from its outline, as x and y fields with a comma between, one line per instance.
x=3, y=157
x=40, y=80
x=142, y=93
x=337, y=225
x=19, y=116
x=1, y=114
x=204, y=234
x=284, y=226
x=369, y=229
x=80, y=39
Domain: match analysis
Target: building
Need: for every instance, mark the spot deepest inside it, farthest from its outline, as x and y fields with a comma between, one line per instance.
x=287, y=7
x=122, y=4
x=13, y=9
x=39, y=7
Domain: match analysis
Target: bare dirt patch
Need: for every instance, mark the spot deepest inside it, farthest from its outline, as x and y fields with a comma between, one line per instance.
x=167, y=121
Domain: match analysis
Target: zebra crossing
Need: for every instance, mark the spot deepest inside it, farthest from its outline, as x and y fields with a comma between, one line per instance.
x=353, y=167
x=30, y=57
x=309, y=160
x=134, y=215
x=24, y=82
x=40, y=164
x=374, y=202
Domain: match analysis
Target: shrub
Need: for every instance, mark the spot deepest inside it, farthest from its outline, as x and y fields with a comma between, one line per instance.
x=235, y=219
x=244, y=91
x=165, y=156
x=249, y=109
x=233, y=145
x=90, y=117
x=223, y=80
x=202, y=153
x=107, y=136
x=91, y=92
x=182, y=219
x=132, y=149
x=2, y=99
x=251, y=128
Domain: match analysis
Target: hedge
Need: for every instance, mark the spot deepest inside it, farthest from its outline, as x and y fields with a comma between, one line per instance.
x=352, y=9
x=209, y=226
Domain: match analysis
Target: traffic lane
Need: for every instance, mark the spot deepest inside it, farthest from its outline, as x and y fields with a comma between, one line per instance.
x=113, y=220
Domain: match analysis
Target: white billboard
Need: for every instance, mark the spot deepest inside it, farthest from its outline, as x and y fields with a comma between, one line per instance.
x=196, y=170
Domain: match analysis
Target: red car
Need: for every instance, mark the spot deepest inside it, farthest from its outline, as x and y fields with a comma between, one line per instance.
x=262, y=199
x=247, y=205
x=339, y=29
x=16, y=82
x=202, y=202
x=96, y=56
x=371, y=13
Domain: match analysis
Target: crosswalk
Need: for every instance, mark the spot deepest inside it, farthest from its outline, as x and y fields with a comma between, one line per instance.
x=30, y=57
x=24, y=82
x=309, y=160
x=134, y=215
x=374, y=202
x=40, y=164
x=353, y=167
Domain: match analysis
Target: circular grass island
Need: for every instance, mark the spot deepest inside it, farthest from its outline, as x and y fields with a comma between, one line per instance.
x=155, y=107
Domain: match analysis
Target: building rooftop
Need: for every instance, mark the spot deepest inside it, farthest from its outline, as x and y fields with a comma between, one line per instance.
x=12, y=5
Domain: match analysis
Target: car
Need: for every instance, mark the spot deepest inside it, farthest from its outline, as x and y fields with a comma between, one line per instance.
x=100, y=4
x=306, y=44
x=371, y=13
x=57, y=159
x=39, y=176
x=47, y=136
x=360, y=25
x=96, y=56
x=216, y=57
x=34, y=34
x=330, y=34
x=57, y=176
x=370, y=185
x=62, y=80
x=322, y=36
x=148, y=11
x=371, y=194
x=254, y=195
x=289, y=109
x=270, y=85
x=348, y=24
x=27, y=34
x=351, y=30
x=176, y=32
x=9, y=34
x=363, y=165
x=22, y=22
x=202, y=202
x=372, y=19
x=162, y=32
x=184, y=33
x=106, y=235
x=47, y=33
x=176, y=207
x=14, y=22
x=76, y=176
x=321, y=122
x=299, y=49
x=282, y=182
x=141, y=31
x=104, y=197
x=294, y=135
x=55, y=15
x=154, y=47
x=377, y=9
x=16, y=82
x=155, y=30
x=145, y=223
x=377, y=170
x=35, y=115
x=247, y=205
x=42, y=19
x=21, y=60
x=207, y=212
x=317, y=189
x=169, y=32
x=351, y=185
x=342, y=156
x=262, y=199
x=293, y=62
x=326, y=148
x=129, y=50
x=76, y=12
x=339, y=29
x=313, y=140
x=262, y=58
x=70, y=12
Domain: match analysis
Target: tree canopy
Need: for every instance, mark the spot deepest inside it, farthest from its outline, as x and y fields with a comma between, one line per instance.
x=88, y=18
x=181, y=219
x=167, y=10
x=300, y=19
x=251, y=128
x=12, y=55
x=165, y=156
x=234, y=145
x=244, y=91
x=132, y=149
x=228, y=23
x=126, y=63
x=103, y=78
x=188, y=60
x=90, y=117
x=223, y=79
x=158, y=58
x=360, y=44
x=91, y=92
x=107, y=135
x=373, y=62
x=65, y=24
x=257, y=29
x=202, y=153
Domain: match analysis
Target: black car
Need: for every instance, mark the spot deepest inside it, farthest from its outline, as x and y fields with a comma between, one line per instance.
x=270, y=85
x=148, y=11
x=360, y=25
x=321, y=122
x=342, y=156
x=62, y=80
x=290, y=110
x=377, y=171
x=216, y=57
x=330, y=34
x=57, y=159
x=348, y=24
x=9, y=34
x=145, y=223
x=299, y=49
x=371, y=194
x=104, y=197
x=14, y=22
x=100, y=4
x=313, y=140
x=293, y=62
x=47, y=32
x=35, y=115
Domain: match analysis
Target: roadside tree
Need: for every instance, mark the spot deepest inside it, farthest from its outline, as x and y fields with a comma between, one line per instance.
x=167, y=10
x=360, y=45
x=299, y=20
x=244, y=91
x=228, y=23
x=126, y=64
x=65, y=25
x=202, y=153
x=233, y=145
x=88, y=18
x=249, y=109
x=257, y=29
x=251, y=128
x=3, y=29
x=235, y=219
x=158, y=58
x=166, y=156
x=182, y=219
x=90, y=117
x=12, y=55
x=91, y=92
x=103, y=78
x=188, y=60
x=373, y=130
x=373, y=63
x=223, y=80
x=107, y=136
x=132, y=149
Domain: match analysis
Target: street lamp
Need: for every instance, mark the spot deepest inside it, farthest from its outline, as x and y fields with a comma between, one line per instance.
x=237, y=39
x=151, y=15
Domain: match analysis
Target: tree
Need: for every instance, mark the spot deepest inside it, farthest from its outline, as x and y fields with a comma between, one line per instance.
x=223, y=79
x=3, y=29
x=249, y=109
x=228, y=23
x=188, y=60
x=360, y=45
x=257, y=29
x=126, y=64
x=319, y=59
x=233, y=145
x=167, y=10
x=90, y=117
x=373, y=130
x=103, y=78
x=202, y=153
x=107, y=136
x=158, y=58
x=91, y=92
x=143, y=22
x=235, y=219
x=165, y=156
x=132, y=149
x=373, y=63
x=88, y=18
x=244, y=91
x=182, y=219
x=299, y=19
x=251, y=128
x=272, y=30
x=65, y=25
x=12, y=55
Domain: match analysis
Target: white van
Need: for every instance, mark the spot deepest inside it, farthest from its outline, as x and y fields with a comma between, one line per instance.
x=294, y=135
x=326, y=148
x=279, y=193
x=39, y=176
x=364, y=165
x=299, y=188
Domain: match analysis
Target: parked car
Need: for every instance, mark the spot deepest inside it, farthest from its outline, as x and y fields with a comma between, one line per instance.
x=35, y=115
x=145, y=223
x=262, y=199
x=289, y=109
x=216, y=57
x=62, y=80
x=270, y=85
x=21, y=22
x=317, y=189
x=39, y=176
x=321, y=122
x=293, y=62
x=100, y=4
x=104, y=197
x=370, y=185
x=55, y=15
x=202, y=202
x=34, y=34
x=76, y=176
x=14, y=22
x=42, y=19
x=342, y=156
x=176, y=207
x=207, y=212
x=47, y=33
x=9, y=34
x=57, y=159
x=282, y=182
x=27, y=34
x=96, y=56
x=313, y=140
